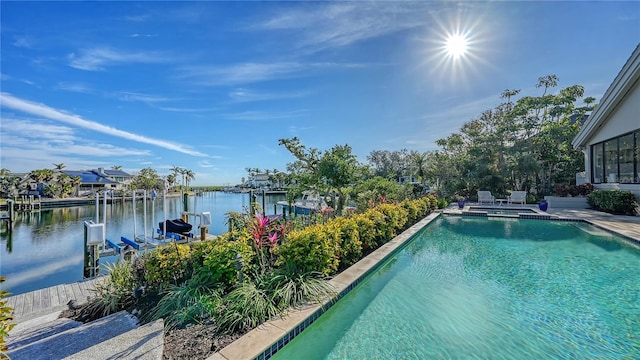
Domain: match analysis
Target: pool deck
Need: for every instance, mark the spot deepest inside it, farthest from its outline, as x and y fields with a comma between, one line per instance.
x=54, y=299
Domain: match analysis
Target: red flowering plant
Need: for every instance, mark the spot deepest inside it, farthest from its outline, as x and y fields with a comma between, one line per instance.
x=267, y=232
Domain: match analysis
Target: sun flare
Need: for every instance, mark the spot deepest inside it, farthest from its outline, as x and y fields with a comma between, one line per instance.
x=456, y=46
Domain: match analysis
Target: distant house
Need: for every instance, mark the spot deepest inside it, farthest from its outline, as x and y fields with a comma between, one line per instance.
x=259, y=180
x=610, y=136
x=100, y=179
x=119, y=176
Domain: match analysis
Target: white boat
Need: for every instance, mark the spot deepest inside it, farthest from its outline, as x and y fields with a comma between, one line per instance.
x=310, y=202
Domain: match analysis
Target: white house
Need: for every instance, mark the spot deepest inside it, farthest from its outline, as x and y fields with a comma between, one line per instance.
x=610, y=138
x=259, y=180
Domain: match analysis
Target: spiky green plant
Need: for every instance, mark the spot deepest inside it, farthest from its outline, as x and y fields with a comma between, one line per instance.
x=189, y=303
x=262, y=298
x=246, y=307
x=115, y=292
x=6, y=318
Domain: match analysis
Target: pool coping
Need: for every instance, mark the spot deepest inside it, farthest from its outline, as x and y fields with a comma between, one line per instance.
x=265, y=340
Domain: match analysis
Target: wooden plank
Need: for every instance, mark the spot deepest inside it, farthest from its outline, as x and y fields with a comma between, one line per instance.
x=35, y=301
x=18, y=304
x=78, y=293
x=68, y=292
x=53, y=296
x=45, y=299
x=28, y=303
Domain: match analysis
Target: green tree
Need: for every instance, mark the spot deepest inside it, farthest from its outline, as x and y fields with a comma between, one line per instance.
x=146, y=179
x=330, y=171
x=76, y=181
x=521, y=145
x=188, y=176
x=51, y=190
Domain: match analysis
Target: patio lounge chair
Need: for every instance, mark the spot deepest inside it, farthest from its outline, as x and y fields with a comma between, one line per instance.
x=517, y=197
x=486, y=196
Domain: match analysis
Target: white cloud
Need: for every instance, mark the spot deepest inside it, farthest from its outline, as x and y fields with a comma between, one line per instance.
x=23, y=42
x=9, y=101
x=140, y=97
x=264, y=115
x=205, y=164
x=74, y=87
x=20, y=139
x=247, y=95
x=321, y=26
x=238, y=74
x=97, y=59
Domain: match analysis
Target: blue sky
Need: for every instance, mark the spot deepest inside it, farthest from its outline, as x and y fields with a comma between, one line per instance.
x=212, y=86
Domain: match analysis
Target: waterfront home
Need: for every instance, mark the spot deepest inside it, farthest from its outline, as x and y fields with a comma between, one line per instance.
x=610, y=137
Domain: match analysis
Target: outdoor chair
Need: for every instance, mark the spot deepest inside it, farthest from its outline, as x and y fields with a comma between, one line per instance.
x=517, y=197
x=486, y=196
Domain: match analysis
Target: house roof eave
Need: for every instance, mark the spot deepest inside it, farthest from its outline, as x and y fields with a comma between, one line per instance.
x=617, y=91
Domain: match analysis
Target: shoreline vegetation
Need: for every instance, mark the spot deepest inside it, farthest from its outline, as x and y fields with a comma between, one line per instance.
x=210, y=293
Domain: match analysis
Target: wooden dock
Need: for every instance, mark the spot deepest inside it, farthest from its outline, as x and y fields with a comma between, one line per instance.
x=48, y=300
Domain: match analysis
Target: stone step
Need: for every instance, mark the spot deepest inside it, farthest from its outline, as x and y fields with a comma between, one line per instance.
x=36, y=329
x=143, y=343
x=76, y=339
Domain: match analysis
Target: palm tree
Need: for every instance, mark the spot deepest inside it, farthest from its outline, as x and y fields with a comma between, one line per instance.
x=171, y=180
x=178, y=171
x=51, y=190
x=116, y=167
x=419, y=161
x=189, y=175
x=76, y=181
x=59, y=166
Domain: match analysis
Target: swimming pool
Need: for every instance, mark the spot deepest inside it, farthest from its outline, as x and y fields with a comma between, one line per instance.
x=478, y=288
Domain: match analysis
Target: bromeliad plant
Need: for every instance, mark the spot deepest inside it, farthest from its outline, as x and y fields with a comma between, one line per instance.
x=267, y=233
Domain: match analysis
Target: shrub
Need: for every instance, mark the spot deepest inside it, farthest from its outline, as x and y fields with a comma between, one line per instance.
x=366, y=231
x=413, y=210
x=350, y=244
x=310, y=249
x=383, y=230
x=219, y=262
x=396, y=218
x=168, y=265
x=564, y=190
x=613, y=201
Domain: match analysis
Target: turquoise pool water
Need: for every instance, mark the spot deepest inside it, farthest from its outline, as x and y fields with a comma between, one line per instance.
x=489, y=289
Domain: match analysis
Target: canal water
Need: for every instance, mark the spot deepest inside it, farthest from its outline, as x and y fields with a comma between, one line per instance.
x=46, y=248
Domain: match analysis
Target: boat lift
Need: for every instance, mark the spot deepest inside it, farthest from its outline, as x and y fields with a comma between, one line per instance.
x=97, y=244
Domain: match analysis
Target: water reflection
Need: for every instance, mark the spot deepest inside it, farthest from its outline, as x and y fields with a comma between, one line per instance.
x=45, y=248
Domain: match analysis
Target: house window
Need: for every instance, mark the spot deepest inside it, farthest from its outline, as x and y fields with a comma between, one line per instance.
x=617, y=160
x=625, y=156
x=598, y=163
x=611, y=161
